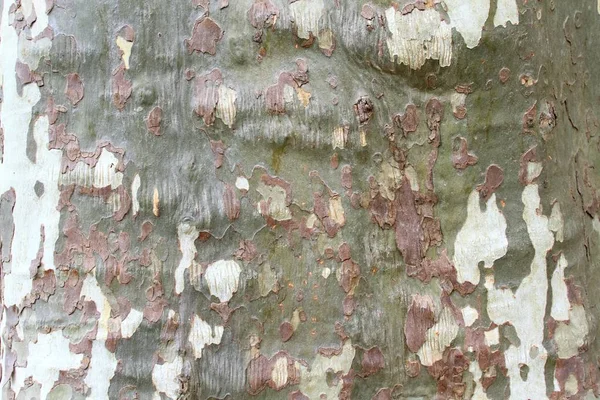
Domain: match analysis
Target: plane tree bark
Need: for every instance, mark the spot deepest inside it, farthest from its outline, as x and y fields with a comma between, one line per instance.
x=310, y=199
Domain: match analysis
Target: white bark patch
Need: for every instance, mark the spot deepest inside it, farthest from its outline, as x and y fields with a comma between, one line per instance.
x=103, y=363
x=468, y=17
x=470, y=315
x=16, y=170
x=103, y=174
x=534, y=169
x=101, y=370
x=492, y=337
x=202, y=335
x=482, y=238
x=596, y=224
x=279, y=374
x=277, y=207
x=223, y=278
x=135, y=187
x=306, y=15
x=570, y=336
x=571, y=385
x=125, y=47
x=525, y=309
x=41, y=21
x=313, y=381
x=437, y=338
x=47, y=357
x=556, y=223
x=418, y=36
x=130, y=324
x=226, y=105
x=165, y=377
x=242, y=183
x=475, y=370
x=506, y=11
x=560, y=299
x=187, y=235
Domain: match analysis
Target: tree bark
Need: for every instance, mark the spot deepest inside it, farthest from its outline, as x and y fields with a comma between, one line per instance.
x=310, y=199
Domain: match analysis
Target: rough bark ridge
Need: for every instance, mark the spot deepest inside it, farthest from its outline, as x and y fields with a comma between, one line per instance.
x=300, y=199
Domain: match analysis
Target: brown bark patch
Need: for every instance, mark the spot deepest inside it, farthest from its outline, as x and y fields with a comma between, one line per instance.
x=419, y=319
x=121, y=88
x=408, y=225
x=74, y=89
x=494, y=176
x=372, y=362
x=205, y=36
x=363, y=108
x=504, y=75
x=206, y=95
x=461, y=158
x=153, y=120
x=286, y=331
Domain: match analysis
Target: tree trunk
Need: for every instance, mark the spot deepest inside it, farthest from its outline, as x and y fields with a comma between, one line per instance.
x=308, y=200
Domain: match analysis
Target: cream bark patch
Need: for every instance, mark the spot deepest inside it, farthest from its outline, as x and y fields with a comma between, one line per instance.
x=482, y=238
x=468, y=18
x=306, y=15
x=506, y=11
x=47, y=357
x=30, y=211
x=438, y=338
x=202, y=335
x=165, y=377
x=417, y=37
x=313, y=380
x=223, y=278
x=526, y=308
x=187, y=235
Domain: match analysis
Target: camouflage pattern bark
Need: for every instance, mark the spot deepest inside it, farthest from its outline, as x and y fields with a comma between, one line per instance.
x=304, y=199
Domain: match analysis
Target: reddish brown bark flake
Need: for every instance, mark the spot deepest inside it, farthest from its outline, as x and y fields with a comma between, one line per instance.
x=363, y=108
x=153, y=121
x=218, y=149
x=461, y=158
x=372, y=362
x=231, y=203
x=74, y=89
x=263, y=14
x=529, y=156
x=494, y=176
x=408, y=225
x=504, y=75
x=206, y=95
x=205, y=36
x=286, y=331
x=408, y=121
x=449, y=374
x=259, y=373
x=121, y=88
x=419, y=319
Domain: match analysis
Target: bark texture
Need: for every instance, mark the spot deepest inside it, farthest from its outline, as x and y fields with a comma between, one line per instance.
x=312, y=199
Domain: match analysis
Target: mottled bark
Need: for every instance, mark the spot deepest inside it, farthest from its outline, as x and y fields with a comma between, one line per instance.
x=301, y=199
